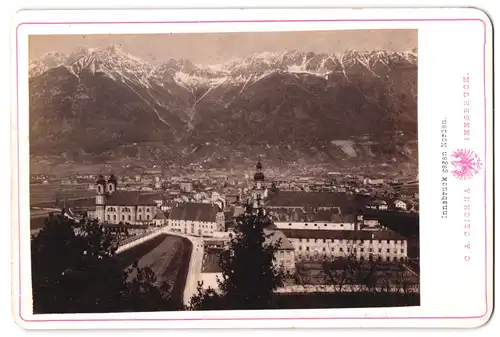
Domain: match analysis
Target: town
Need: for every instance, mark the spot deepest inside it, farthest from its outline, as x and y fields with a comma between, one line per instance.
x=329, y=217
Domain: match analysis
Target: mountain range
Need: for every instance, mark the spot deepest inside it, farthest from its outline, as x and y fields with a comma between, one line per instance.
x=103, y=104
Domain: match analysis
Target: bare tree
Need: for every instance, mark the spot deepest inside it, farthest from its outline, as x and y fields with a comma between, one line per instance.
x=356, y=274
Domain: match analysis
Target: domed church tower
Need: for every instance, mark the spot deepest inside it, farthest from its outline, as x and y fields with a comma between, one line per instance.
x=103, y=190
x=259, y=191
x=112, y=182
x=100, y=197
x=259, y=177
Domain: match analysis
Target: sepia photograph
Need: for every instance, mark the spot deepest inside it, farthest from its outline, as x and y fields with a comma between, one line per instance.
x=224, y=171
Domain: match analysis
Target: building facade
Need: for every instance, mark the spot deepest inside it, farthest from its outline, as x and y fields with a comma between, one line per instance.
x=384, y=245
x=285, y=252
x=400, y=204
x=113, y=207
x=220, y=220
x=160, y=219
x=197, y=219
x=186, y=186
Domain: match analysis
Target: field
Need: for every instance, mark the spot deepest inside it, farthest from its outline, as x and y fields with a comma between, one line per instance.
x=45, y=195
x=56, y=166
x=168, y=256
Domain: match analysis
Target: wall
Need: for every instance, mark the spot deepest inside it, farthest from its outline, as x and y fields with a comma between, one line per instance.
x=139, y=240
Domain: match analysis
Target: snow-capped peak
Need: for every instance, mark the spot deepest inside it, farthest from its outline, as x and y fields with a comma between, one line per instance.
x=46, y=62
x=115, y=63
x=112, y=62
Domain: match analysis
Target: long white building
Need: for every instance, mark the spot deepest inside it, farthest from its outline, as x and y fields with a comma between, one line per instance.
x=198, y=219
x=384, y=245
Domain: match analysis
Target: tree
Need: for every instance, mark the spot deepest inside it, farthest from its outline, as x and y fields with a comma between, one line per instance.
x=249, y=273
x=350, y=271
x=74, y=271
x=206, y=299
x=377, y=281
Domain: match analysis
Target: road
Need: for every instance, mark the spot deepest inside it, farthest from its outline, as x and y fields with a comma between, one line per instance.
x=194, y=271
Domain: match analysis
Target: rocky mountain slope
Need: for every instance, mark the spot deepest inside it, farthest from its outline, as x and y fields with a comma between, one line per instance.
x=289, y=106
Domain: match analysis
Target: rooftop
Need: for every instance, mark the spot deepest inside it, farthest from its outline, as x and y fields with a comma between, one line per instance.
x=303, y=214
x=342, y=234
x=275, y=237
x=132, y=198
x=160, y=216
x=194, y=212
x=312, y=199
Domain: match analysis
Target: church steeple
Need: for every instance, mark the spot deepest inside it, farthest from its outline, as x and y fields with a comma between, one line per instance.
x=100, y=184
x=259, y=192
x=259, y=176
x=112, y=182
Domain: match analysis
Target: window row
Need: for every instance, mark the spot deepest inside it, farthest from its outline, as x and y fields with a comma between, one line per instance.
x=362, y=258
x=325, y=225
x=129, y=217
x=192, y=225
x=398, y=242
x=354, y=250
x=125, y=209
x=198, y=232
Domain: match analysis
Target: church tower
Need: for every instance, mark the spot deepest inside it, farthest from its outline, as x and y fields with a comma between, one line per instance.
x=100, y=198
x=259, y=192
x=112, y=182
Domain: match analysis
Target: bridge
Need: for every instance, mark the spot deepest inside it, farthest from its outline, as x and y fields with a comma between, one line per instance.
x=195, y=263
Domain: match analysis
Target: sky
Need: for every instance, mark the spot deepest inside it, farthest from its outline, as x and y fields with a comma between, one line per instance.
x=213, y=48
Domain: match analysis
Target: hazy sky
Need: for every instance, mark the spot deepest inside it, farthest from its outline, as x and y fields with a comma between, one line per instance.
x=211, y=48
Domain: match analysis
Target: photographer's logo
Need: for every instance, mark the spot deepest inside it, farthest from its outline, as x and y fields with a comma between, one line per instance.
x=466, y=163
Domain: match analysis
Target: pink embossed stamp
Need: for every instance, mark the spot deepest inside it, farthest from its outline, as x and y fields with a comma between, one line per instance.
x=466, y=163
